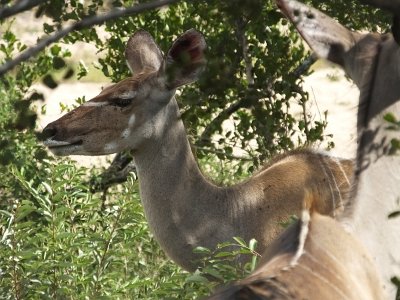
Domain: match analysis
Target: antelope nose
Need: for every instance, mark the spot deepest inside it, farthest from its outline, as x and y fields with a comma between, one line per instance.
x=48, y=132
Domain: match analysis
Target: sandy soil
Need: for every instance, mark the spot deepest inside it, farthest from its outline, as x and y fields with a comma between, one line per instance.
x=328, y=88
x=340, y=98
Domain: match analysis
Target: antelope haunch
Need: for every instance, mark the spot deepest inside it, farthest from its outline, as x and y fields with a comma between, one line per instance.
x=185, y=210
x=316, y=258
x=313, y=259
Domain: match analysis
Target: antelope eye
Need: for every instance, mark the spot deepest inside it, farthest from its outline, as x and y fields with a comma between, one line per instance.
x=123, y=99
x=121, y=102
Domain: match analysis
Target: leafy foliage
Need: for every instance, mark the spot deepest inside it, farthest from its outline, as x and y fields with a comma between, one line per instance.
x=393, y=124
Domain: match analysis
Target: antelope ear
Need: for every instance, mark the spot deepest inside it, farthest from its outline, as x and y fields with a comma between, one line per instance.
x=324, y=35
x=142, y=52
x=185, y=60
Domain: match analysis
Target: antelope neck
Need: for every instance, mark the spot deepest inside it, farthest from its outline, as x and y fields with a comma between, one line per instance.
x=181, y=206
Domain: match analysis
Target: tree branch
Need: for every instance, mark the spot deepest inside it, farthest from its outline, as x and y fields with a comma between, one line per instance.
x=85, y=23
x=19, y=7
x=117, y=172
x=305, y=65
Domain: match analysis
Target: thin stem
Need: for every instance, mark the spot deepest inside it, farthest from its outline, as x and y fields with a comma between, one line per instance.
x=241, y=36
x=16, y=282
x=15, y=276
x=53, y=229
x=106, y=249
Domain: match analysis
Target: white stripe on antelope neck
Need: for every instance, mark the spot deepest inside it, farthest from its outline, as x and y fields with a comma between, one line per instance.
x=93, y=103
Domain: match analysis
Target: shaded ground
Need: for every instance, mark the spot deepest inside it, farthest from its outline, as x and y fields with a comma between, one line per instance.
x=330, y=91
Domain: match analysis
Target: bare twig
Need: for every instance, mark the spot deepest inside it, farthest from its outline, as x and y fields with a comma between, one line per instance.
x=19, y=7
x=241, y=36
x=85, y=23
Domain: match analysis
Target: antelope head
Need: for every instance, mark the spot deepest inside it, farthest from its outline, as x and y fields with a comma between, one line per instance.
x=127, y=113
x=370, y=59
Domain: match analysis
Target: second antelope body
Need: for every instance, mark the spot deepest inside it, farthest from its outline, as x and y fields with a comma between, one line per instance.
x=184, y=209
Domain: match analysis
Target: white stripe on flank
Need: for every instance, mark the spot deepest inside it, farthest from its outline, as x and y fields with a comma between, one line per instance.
x=341, y=169
x=305, y=222
x=337, y=187
x=322, y=278
x=330, y=186
x=335, y=182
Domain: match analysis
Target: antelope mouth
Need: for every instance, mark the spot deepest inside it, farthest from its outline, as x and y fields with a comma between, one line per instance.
x=62, y=147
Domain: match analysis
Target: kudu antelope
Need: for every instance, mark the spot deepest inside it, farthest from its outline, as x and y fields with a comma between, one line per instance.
x=317, y=258
x=183, y=208
x=313, y=259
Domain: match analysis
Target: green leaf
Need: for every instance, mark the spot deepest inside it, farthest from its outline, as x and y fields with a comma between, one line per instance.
x=49, y=81
x=224, y=254
x=253, y=244
x=213, y=272
x=201, y=250
x=58, y=63
x=55, y=50
x=48, y=188
x=240, y=241
x=389, y=117
x=6, y=213
x=82, y=70
x=196, y=278
x=24, y=210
